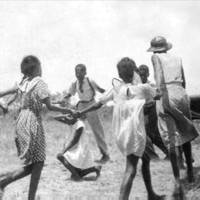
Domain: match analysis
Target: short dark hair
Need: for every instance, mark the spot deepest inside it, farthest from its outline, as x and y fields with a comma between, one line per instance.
x=81, y=66
x=126, y=67
x=144, y=67
x=29, y=64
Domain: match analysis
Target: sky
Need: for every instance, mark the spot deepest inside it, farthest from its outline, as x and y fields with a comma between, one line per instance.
x=97, y=33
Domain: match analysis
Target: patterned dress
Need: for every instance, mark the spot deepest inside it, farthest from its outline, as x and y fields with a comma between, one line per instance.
x=30, y=137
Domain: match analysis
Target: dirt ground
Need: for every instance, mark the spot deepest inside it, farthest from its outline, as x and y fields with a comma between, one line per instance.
x=55, y=181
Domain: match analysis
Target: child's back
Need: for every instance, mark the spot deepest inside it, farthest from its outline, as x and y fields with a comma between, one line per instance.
x=128, y=116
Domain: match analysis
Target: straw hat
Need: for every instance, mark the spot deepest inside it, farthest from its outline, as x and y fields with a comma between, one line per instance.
x=159, y=44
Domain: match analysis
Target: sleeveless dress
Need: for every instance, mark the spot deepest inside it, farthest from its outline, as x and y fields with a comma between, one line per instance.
x=30, y=136
x=128, y=116
x=169, y=76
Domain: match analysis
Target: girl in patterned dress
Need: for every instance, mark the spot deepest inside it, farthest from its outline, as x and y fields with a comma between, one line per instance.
x=30, y=136
x=128, y=126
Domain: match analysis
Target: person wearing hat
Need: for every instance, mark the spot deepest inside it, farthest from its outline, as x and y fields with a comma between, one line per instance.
x=174, y=119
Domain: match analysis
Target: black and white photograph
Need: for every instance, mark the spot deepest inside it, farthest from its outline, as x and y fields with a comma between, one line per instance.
x=99, y=100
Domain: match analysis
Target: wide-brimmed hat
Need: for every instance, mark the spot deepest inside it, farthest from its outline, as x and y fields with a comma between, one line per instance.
x=159, y=44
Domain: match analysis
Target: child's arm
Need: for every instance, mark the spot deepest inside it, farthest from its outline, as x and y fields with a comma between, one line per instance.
x=4, y=105
x=93, y=107
x=11, y=99
x=12, y=90
x=97, y=87
x=75, y=139
x=104, y=99
x=52, y=107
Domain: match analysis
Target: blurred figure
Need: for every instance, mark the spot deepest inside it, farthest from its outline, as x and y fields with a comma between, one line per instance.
x=151, y=115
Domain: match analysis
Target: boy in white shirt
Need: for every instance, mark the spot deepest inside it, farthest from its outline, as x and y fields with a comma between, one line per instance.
x=86, y=88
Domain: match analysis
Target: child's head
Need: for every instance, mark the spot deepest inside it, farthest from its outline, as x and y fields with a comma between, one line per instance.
x=30, y=66
x=126, y=68
x=144, y=73
x=80, y=71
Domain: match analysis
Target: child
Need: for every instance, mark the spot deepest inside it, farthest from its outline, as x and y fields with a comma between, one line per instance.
x=30, y=136
x=151, y=115
x=128, y=126
x=76, y=156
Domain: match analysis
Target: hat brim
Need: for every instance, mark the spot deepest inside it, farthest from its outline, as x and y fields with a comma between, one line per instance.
x=160, y=49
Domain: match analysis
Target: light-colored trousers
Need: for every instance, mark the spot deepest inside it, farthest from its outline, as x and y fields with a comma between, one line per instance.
x=96, y=126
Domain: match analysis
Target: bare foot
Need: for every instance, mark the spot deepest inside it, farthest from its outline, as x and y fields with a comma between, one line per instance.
x=74, y=177
x=156, y=197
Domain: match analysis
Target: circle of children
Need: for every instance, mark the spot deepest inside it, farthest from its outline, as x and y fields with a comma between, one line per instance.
x=143, y=114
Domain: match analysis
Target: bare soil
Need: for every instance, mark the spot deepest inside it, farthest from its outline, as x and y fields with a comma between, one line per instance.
x=55, y=180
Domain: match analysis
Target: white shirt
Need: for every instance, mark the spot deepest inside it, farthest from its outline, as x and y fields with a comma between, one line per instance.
x=88, y=93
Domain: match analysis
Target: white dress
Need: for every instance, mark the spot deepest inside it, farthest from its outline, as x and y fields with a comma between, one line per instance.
x=128, y=117
x=80, y=155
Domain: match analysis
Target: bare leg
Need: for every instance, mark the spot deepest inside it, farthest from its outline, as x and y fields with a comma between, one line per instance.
x=15, y=175
x=97, y=128
x=10, y=177
x=147, y=180
x=188, y=157
x=35, y=177
x=129, y=175
x=159, y=143
x=178, y=191
x=72, y=169
x=87, y=171
x=180, y=157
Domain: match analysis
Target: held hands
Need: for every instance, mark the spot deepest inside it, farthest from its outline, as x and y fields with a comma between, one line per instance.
x=76, y=114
